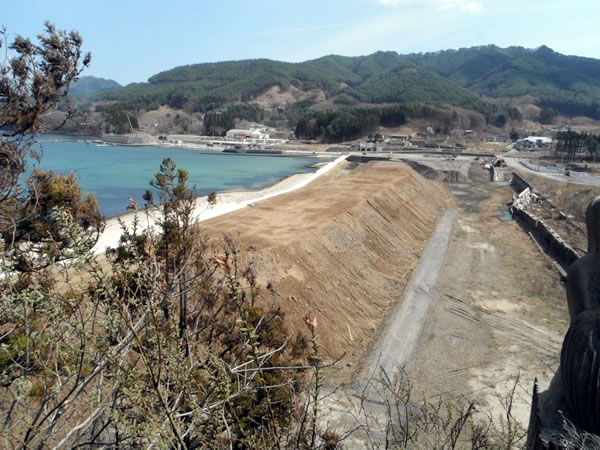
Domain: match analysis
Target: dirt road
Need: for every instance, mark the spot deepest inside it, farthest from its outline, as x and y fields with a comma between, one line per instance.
x=398, y=343
x=498, y=311
x=495, y=311
x=552, y=173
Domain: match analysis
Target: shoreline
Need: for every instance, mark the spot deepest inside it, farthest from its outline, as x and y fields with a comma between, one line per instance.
x=195, y=146
x=227, y=202
x=242, y=190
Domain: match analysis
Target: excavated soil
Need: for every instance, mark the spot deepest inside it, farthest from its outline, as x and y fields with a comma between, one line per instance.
x=276, y=97
x=342, y=248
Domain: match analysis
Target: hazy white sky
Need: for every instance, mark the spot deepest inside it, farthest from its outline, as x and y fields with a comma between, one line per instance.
x=131, y=40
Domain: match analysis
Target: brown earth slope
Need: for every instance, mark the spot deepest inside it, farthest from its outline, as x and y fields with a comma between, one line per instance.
x=341, y=248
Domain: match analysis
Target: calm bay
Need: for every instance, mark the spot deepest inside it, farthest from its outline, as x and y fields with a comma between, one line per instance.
x=115, y=173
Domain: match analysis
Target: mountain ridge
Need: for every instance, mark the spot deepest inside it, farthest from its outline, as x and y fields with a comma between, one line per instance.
x=337, y=97
x=459, y=77
x=89, y=84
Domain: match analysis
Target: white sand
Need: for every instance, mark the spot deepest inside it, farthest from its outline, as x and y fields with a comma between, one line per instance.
x=226, y=202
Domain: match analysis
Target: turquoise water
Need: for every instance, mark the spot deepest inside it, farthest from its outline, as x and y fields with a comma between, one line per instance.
x=115, y=173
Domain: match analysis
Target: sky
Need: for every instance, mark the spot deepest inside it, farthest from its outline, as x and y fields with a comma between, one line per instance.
x=131, y=40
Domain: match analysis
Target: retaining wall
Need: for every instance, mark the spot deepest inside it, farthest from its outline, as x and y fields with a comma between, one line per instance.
x=497, y=173
x=519, y=183
x=562, y=250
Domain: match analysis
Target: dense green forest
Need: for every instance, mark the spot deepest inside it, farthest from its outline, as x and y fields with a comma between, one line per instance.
x=352, y=123
x=569, y=84
x=377, y=78
x=572, y=143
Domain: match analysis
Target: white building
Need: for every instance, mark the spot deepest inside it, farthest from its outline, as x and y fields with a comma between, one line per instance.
x=370, y=147
x=256, y=134
x=533, y=142
x=538, y=140
x=246, y=134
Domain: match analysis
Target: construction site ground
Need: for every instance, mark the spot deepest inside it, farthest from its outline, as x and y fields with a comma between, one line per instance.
x=499, y=310
x=344, y=249
x=340, y=249
x=567, y=198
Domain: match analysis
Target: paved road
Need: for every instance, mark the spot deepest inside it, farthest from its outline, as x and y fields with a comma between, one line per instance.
x=398, y=342
x=575, y=177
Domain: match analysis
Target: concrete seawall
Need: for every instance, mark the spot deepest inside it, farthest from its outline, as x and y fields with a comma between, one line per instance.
x=499, y=174
x=565, y=254
x=519, y=183
x=563, y=251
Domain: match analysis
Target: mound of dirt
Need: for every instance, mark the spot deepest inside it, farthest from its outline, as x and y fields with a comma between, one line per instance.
x=342, y=248
x=449, y=176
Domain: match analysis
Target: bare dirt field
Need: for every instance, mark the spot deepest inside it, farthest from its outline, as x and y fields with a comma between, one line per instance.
x=499, y=309
x=275, y=96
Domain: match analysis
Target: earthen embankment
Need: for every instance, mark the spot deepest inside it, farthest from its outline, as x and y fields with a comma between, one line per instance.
x=341, y=248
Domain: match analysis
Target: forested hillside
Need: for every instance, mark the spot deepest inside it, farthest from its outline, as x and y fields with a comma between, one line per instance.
x=378, y=78
x=338, y=97
x=569, y=84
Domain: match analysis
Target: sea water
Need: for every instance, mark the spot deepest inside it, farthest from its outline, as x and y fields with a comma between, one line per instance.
x=115, y=173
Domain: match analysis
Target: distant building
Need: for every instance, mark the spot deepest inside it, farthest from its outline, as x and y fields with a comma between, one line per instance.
x=367, y=147
x=398, y=139
x=539, y=141
x=238, y=134
x=246, y=134
x=256, y=134
x=370, y=147
x=533, y=143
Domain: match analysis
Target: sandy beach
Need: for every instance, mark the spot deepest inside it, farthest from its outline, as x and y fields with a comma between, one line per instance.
x=226, y=202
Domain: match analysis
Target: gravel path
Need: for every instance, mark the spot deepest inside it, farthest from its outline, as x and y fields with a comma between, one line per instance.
x=401, y=335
